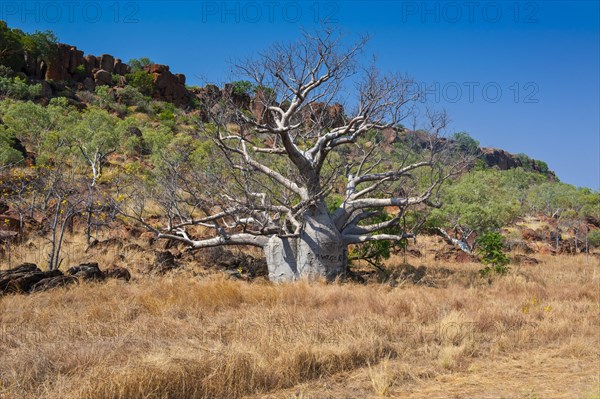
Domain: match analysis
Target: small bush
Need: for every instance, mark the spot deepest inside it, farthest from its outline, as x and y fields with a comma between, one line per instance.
x=490, y=247
x=142, y=81
x=105, y=97
x=6, y=72
x=243, y=87
x=131, y=96
x=137, y=64
x=18, y=89
x=594, y=238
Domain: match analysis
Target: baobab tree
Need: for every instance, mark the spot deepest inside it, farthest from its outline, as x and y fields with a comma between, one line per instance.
x=302, y=180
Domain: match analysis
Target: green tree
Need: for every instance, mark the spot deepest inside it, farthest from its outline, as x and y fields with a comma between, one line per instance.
x=490, y=247
x=97, y=135
x=8, y=154
x=41, y=45
x=142, y=81
x=137, y=64
x=11, y=48
x=466, y=143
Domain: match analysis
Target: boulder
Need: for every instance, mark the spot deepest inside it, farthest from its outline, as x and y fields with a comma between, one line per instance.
x=87, y=271
x=22, y=278
x=75, y=60
x=525, y=260
x=181, y=78
x=90, y=63
x=499, y=158
x=103, y=77
x=531, y=235
x=455, y=255
x=323, y=115
x=53, y=282
x=58, y=67
x=89, y=84
x=107, y=62
x=121, y=68
x=164, y=262
x=168, y=87
x=46, y=91
x=119, y=273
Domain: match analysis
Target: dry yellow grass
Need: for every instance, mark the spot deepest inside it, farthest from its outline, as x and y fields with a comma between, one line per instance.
x=532, y=334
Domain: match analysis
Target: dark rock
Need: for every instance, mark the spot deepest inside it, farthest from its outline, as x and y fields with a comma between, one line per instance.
x=22, y=278
x=118, y=273
x=409, y=272
x=46, y=91
x=531, y=235
x=22, y=268
x=103, y=77
x=58, y=68
x=87, y=271
x=525, y=260
x=75, y=60
x=89, y=84
x=105, y=244
x=168, y=87
x=53, y=282
x=91, y=63
x=245, y=264
x=164, y=262
x=181, y=78
x=322, y=115
x=121, y=68
x=107, y=62
x=455, y=255
x=414, y=252
x=500, y=158
x=591, y=220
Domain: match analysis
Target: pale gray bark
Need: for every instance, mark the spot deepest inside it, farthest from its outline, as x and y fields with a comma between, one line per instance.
x=280, y=206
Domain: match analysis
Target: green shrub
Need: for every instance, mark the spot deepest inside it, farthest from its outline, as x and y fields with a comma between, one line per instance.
x=243, y=87
x=8, y=154
x=106, y=97
x=375, y=252
x=594, y=238
x=490, y=247
x=466, y=143
x=19, y=89
x=137, y=64
x=142, y=81
x=6, y=72
x=131, y=96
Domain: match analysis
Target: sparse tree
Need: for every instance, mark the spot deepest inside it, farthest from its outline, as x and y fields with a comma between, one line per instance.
x=284, y=163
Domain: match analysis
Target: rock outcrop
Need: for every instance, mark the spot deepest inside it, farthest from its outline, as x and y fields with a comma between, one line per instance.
x=69, y=67
x=28, y=278
x=168, y=86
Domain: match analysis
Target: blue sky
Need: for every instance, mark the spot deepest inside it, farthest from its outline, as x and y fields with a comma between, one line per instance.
x=523, y=76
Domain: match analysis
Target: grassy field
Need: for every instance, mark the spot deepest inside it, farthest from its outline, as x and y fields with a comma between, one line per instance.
x=532, y=334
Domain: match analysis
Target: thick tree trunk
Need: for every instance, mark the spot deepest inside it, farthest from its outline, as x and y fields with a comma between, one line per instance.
x=319, y=252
